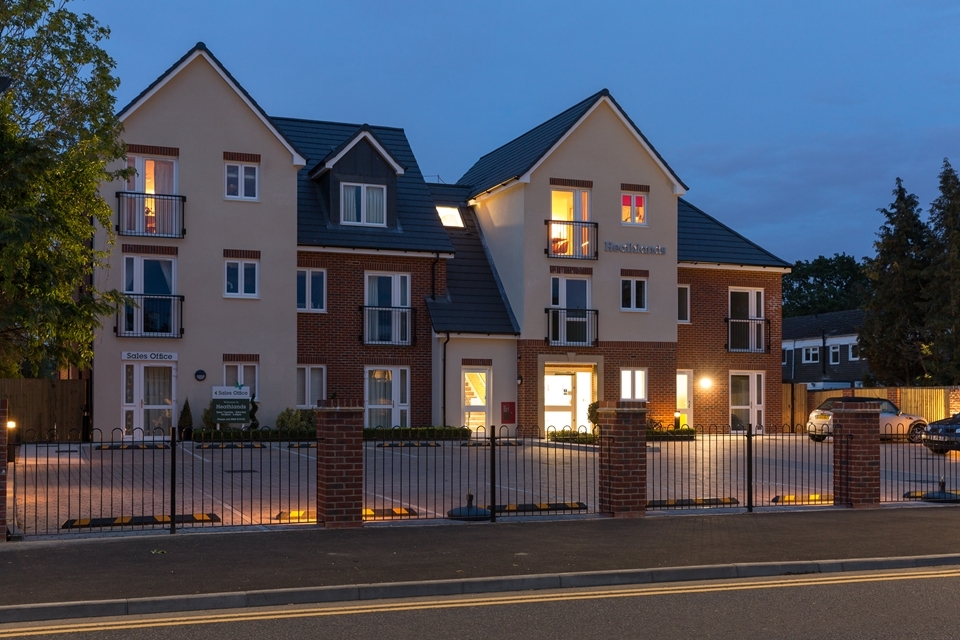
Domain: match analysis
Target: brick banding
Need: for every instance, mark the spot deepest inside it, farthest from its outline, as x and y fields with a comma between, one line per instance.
x=241, y=157
x=307, y=261
x=476, y=362
x=629, y=186
x=152, y=150
x=149, y=249
x=241, y=357
x=311, y=360
x=241, y=253
x=566, y=182
x=635, y=273
x=578, y=271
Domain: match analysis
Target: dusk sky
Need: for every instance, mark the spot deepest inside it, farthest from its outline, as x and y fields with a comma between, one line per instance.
x=788, y=121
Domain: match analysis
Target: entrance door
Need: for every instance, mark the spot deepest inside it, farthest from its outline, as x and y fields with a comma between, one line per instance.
x=566, y=398
x=149, y=397
x=685, y=397
x=746, y=401
x=388, y=397
x=476, y=399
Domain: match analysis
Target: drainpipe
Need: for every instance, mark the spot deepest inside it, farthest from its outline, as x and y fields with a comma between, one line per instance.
x=433, y=278
x=443, y=393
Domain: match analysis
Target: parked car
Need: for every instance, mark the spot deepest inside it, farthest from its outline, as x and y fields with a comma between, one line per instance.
x=942, y=436
x=894, y=424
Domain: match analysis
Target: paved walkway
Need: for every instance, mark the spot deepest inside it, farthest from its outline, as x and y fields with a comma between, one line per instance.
x=297, y=557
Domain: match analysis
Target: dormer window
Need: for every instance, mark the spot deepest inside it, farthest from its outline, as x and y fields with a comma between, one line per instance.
x=363, y=204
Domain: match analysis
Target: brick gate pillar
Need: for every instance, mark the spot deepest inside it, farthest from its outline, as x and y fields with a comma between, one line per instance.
x=340, y=465
x=3, y=469
x=856, y=454
x=623, y=458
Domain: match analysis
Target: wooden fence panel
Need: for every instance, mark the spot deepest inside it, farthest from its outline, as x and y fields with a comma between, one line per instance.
x=795, y=407
x=51, y=408
x=929, y=402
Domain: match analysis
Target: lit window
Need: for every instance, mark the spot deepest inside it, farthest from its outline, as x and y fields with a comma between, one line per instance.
x=633, y=294
x=311, y=290
x=633, y=208
x=242, y=181
x=242, y=279
x=363, y=204
x=633, y=384
x=450, y=216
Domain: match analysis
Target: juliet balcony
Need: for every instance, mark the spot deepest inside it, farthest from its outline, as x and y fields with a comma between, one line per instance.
x=574, y=240
x=572, y=327
x=149, y=315
x=153, y=215
x=388, y=325
x=748, y=335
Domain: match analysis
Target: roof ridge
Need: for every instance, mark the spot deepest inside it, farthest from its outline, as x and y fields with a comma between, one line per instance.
x=733, y=231
x=345, y=124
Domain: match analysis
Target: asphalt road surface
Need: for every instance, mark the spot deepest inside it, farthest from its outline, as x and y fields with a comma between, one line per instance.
x=900, y=604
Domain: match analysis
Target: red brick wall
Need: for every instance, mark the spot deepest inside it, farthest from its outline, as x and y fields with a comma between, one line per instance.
x=622, y=486
x=856, y=454
x=658, y=357
x=701, y=344
x=340, y=466
x=334, y=338
x=3, y=470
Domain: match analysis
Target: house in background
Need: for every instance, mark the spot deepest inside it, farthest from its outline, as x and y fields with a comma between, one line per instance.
x=822, y=350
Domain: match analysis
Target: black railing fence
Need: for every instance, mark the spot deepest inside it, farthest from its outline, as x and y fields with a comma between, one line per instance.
x=388, y=325
x=748, y=335
x=149, y=315
x=150, y=214
x=572, y=327
x=576, y=240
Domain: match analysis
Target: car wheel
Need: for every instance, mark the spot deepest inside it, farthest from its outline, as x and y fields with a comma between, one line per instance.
x=915, y=435
x=817, y=438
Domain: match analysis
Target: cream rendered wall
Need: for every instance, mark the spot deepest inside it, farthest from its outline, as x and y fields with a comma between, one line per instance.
x=503, y=352
x=201, y=115
x=604, y=150
x=506, y=233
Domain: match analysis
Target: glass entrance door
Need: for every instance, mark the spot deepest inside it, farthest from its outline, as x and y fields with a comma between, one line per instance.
x=685, y=397
x=567, y=395
x=148, y=401
x=388, y=397
x=746, y=401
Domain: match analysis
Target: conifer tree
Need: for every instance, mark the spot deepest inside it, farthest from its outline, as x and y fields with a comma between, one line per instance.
x=894, y=338
x=943, y=291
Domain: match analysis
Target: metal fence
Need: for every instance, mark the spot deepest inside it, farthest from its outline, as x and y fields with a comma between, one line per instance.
x=118, y=483
x=911, y=471
x=428, y=473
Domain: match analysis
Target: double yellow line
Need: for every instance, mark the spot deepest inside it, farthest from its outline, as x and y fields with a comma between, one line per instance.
x=452, y=602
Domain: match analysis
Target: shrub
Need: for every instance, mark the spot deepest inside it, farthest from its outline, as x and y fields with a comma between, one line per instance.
x=593, y=414
x=206, y=418
x=296, y=419
x=254, y=435
x=576, y=437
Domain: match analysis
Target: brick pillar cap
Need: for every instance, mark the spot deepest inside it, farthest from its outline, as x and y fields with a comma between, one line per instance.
x=856, y=407
x=622, y=405
x=342, y=405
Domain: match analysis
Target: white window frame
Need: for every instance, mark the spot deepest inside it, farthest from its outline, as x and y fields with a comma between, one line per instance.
x=578, y=214
x=137, y=289
x=756, y=305
x=363, y=204
x=633, y=209
x=638, y=376
x=850, y=348
x=308, y=299
x=834, y=353
x=679, y=319
x=811, y=355
x=397, y=405
x=139, y=164
x=563, y=290
x=485, y=408
x=309, y=372
x=633, y=295
x=240, y=377
x=241, y=187
x=240, y=262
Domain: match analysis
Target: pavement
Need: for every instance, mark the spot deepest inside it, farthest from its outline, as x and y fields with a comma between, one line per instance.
x=98, y=576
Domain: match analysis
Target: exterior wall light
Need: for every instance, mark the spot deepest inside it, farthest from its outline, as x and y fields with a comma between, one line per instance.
x=519, y=379
x=676, y=419
x=200, y=375
x=11, y=424
x=706, y=383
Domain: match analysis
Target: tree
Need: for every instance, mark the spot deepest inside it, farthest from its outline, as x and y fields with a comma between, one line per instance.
x=894, y=338
x=823, y=285
x=58, y=132
x=943, y=290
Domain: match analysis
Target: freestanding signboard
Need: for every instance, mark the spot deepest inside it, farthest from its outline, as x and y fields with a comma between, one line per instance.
x=231, y=405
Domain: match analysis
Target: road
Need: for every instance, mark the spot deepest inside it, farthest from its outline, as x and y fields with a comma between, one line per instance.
x=893, y=604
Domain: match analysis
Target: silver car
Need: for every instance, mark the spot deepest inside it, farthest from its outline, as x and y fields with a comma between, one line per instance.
x=894, y=424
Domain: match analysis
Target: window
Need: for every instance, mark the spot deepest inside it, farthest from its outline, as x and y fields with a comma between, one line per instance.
x=151, y=283
x=570, y=320
x=633, y=384
x=811, y=355
x=633, y=207
x=242, y=279
x=853, y=352
x=570, y=205
x=388, y=318
x=311, y=290
x=364, y=204
x=570, y=233
x=747, y=326
x=834, y=354
x=243, y=375
x=242, y=181
x=450, y=216
x=476, y=398
x=633, y=294
x=149, y=205
x=683, y=303
x=387, y=397
x=783, y=356
x=310, y=386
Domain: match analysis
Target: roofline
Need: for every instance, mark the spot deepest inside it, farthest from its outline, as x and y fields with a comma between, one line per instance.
x=783, y=263
x=416, y=253
x=363, y=133
x=679, y=188
x=724, y=266
x=200, y=49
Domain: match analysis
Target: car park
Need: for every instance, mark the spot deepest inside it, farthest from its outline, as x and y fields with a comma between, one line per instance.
x=894, y=424
x=942, y=436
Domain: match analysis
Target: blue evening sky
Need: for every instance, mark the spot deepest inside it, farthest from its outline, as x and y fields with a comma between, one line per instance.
x=789, y=121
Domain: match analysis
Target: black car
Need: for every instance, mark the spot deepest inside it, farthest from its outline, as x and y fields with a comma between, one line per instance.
x=941, y=436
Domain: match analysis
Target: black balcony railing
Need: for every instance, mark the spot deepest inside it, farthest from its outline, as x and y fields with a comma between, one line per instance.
x=576, y=240
x=150, y=214
x=572, y=327
x=149, y=315
x=388, y=325
x=748, y=335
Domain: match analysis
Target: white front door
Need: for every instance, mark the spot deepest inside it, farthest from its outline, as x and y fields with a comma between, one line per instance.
x=746, y=400
x=566, y=398
x=476, y=399
x=388, y=397
x=148, y=400
x=685, y=397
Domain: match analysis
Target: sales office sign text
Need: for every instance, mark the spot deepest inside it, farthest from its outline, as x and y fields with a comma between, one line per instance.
x=149, y=356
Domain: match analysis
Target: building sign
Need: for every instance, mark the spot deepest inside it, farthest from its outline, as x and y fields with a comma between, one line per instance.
x=150, y=356
x=633, y=247
x=227, y=411
x=236, y=393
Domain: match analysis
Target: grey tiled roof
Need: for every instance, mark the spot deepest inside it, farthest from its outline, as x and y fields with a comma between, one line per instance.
x=837, y=323
x=475, y=301
x=518, y=156
x=419, y=227
x=704, y=239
